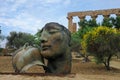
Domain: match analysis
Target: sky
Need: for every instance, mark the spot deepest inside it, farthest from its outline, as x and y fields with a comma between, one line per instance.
x=30, y=15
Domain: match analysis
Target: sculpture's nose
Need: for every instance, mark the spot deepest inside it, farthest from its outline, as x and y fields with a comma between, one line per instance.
x=43, y=40
x=44, y=37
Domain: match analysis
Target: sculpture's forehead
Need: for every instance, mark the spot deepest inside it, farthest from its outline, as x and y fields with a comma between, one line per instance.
x=51, y=27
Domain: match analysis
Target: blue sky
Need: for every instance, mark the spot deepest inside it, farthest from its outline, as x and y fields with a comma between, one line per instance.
x=31, y=15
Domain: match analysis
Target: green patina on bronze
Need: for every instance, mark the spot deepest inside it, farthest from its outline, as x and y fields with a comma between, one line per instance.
x=55, y=47
x=26, y=57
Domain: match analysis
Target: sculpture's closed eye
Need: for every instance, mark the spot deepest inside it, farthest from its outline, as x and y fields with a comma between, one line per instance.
x=53, y=31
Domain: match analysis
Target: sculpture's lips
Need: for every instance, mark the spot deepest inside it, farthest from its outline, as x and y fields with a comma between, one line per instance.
x=45, y=47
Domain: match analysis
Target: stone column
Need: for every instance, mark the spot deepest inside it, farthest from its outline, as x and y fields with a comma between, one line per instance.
x=74, y=28
x=70, y=23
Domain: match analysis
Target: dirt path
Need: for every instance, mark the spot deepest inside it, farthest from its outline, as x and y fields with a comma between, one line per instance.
x=77, y=77
x=115, y=64
x=84, y=71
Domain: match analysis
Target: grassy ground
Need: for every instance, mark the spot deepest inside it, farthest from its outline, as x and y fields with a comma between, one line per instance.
x=83, y=71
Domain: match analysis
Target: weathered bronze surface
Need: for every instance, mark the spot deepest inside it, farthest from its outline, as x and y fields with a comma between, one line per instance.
x=26, y=57
x=55, y=47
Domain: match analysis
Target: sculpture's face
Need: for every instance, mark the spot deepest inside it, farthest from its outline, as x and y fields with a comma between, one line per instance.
x=53, y=41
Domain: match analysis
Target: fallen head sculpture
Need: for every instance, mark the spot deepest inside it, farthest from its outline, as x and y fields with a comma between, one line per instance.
x=26, y=57
x=55, y=47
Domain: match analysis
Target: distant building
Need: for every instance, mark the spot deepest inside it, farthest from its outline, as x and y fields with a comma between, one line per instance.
x=94, y=14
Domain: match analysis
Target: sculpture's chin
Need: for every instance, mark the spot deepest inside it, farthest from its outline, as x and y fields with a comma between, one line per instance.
x=46, y=53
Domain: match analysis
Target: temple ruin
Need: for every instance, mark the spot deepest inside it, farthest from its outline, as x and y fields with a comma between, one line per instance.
x=94, y=14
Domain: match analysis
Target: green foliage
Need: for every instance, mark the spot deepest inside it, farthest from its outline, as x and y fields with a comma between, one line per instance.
x=2, y=37
x=107, y=22
x=86, y=26
x=103, y=43
x=116, y=22
x=1, y=49
x=37, y=38
x=77, y=37
x=76, y=46
x=16, y=40
x=92, y=23
x=83, y=31
x=75, y=42
x=84, y=23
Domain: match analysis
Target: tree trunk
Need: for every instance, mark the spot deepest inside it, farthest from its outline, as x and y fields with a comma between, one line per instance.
x=107, y=62
x=86, y=59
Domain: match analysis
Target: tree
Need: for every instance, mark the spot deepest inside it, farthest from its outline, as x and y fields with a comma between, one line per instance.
x=102, y=43
x=86, y=26
x=77, y=37
x=37, y=38
x=11, y=38
x=116, y=22
x=2, y=37
x=83, y=23
x=117, y=25
x=75, y=42
x=107, y=22
x=90, y=23
x=76, y=46
x=16, y=40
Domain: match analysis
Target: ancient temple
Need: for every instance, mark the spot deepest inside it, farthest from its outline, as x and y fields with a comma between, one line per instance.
x=94, y=14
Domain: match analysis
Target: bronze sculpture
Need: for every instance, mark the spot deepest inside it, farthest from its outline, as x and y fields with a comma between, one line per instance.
x=55, y=47
x=26, y=57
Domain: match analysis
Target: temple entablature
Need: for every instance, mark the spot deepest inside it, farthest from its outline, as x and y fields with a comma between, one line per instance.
x=94, y=14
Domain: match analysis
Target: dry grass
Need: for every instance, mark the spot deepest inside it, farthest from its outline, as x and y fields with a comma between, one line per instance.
x=84, y=71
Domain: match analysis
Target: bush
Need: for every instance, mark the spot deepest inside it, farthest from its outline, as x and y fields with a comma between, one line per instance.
x=1, y=49
x=102, y=43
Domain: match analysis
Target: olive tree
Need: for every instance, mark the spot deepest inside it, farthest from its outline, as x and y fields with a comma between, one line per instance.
x=16, y=40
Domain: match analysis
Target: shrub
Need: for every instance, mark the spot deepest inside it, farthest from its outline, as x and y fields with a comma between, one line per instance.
x=1, y=49
x=102, y=43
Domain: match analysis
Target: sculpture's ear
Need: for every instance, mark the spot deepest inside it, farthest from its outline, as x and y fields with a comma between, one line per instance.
x=68, y=33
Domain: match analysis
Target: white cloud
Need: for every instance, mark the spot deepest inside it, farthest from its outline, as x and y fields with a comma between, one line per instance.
x=3, y=11
x=10, y=6
x=23, y=21
x=17, y=3
x=51, y=1
x=57, y=2
x=63, y=20
x=67, y=2
x=30, y=15
x=3, y=43
x=26, y=20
